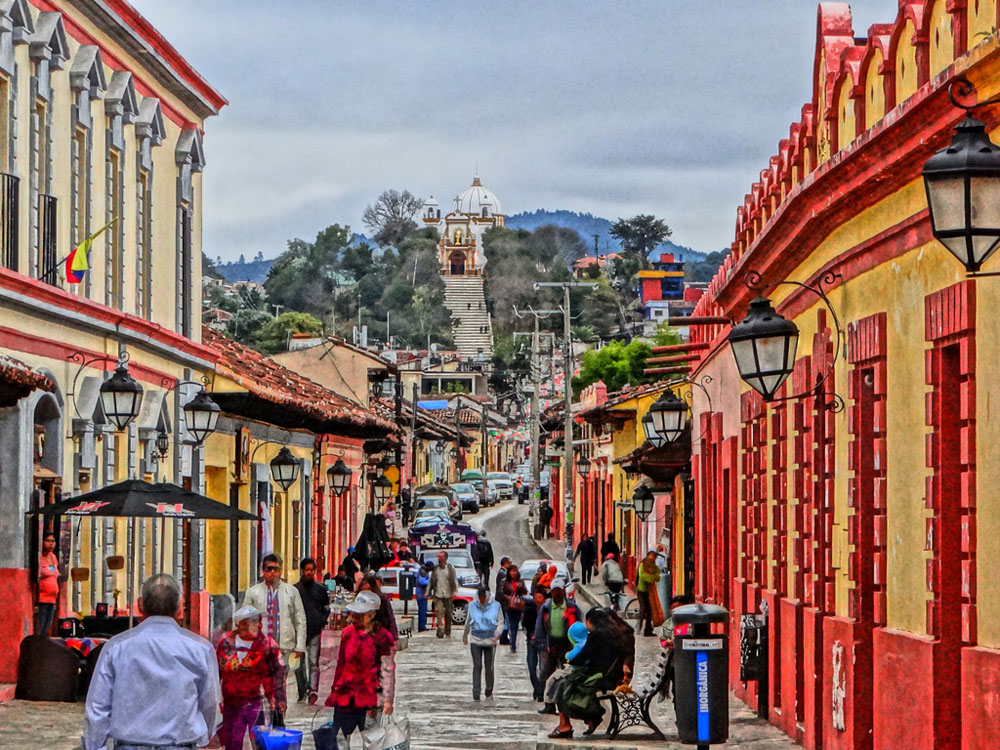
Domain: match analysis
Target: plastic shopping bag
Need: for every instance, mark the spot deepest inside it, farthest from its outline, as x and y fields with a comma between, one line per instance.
x=391, y=734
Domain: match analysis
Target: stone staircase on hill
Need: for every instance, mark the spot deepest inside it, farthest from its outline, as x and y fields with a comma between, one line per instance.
x=470, y=321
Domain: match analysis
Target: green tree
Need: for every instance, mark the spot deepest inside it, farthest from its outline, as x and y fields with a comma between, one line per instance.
x=666, y=335
x=245, y=325
x=616, y=364
x=208, y=267
x=302, y=277
x=390, y=217
x=640, y=235
x=704, y=270
x=273, y=336
x=357, y=260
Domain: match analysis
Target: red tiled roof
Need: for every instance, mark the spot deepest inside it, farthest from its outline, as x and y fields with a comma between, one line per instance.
x=270, y=381
x=15, y=371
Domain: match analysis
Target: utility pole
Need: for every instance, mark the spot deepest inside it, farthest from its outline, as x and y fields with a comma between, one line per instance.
x=568, y=508
x=413, y=441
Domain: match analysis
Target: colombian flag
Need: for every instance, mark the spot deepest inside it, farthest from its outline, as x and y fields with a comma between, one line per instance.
x=78, y=261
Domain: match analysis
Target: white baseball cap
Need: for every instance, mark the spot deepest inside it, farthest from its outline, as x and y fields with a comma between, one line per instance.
x=245, y=613
x=365, y=601
x=559, y=582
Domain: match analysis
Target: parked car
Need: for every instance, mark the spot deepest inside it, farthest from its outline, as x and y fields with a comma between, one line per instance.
x=468, y=496
x=530, y=567
x=429, y=516
x=439, y=496
x=502, y=481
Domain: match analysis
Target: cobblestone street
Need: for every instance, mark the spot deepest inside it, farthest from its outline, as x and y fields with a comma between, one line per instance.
x=434, y=690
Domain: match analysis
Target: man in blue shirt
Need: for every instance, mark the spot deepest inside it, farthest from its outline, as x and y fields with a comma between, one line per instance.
x=155, y=686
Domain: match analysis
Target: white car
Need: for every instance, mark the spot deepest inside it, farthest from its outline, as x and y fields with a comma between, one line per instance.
x=428, y=516
x=529, y=567
x=501, y=480
x=468, y=580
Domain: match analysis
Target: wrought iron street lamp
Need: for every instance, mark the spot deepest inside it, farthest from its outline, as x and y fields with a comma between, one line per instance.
x=121, y=396
x=383, y=488
x=650, y=432
x=161, y=446
x=583, y=466
x=284, y=468
x=962, y=182
x=201, y=414
x=764, y=345
x=669, y=416
x=642, y=502
x=339, y=476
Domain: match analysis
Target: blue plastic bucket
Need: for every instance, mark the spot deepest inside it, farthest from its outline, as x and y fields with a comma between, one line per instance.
x=278, y=739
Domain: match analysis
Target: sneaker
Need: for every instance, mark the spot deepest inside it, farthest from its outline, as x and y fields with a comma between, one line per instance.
x=475, y=698
x=302, y=697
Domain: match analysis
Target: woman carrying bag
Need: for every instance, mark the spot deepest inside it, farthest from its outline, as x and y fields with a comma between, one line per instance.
x=365, y=677
x=512, y=592
x=650, y=610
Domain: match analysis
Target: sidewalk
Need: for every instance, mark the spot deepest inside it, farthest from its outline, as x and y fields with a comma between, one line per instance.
x=593, y=593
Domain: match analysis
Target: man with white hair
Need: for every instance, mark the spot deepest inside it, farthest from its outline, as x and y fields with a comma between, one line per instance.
x=155, y=686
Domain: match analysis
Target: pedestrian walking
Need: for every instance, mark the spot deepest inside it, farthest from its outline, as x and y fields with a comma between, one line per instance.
x=420, y=592
x=586, y=550
x=280, y=601
x=645, y=588
x=505, y=563
x=577, y=634
x=512, y=594
x=484, y=564
x=532, y=655
x=155, y=686
x=365, y=678
x=443, y=588
x=385, y=616
x=613, y=579
x=48, y=584
x=555, y=617
x=250, y=669
x=610, y=547
x=316, y=602
x=545, y=514
x=483, y=624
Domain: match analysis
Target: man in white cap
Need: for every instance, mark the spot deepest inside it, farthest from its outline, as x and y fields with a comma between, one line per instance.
x=155, y=687
x=250, y=664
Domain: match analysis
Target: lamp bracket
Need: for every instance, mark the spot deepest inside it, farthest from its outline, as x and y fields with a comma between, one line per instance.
x=168, y=384
x=701, y=382
x=81, y=359
x=961, y=88
x=832, y=401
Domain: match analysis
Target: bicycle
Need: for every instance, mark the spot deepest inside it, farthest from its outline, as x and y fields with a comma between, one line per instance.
x=632, y=610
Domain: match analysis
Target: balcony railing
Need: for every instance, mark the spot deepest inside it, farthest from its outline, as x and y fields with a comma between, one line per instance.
x=47, y=256
x=8, y=220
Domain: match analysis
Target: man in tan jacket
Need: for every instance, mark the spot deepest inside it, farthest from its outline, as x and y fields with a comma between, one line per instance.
x=285, y=618
x=443, y=588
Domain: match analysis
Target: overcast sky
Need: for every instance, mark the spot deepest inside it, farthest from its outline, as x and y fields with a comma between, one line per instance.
x=670, y=107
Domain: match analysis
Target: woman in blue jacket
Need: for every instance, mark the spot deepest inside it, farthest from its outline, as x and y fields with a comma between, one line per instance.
x=420, y=592
x=483, y=626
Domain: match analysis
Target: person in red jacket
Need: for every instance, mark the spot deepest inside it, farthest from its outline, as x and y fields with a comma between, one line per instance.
x=249, y=665
x=365, y=678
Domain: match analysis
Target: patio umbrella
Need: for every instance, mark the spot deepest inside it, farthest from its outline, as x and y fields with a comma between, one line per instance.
x=135, y=498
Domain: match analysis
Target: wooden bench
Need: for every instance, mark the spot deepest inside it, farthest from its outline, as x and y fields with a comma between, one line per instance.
x=632, y=709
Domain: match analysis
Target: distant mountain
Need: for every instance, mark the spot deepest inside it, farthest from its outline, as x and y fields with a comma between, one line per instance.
x=587, y=225
x=258, y=268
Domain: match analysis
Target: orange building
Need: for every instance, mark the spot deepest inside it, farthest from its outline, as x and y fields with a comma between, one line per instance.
x=869, y=536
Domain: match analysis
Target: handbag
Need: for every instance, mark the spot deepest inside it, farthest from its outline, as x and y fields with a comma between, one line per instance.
x=390, y=734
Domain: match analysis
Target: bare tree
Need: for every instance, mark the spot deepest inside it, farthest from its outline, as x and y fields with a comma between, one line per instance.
x=390, y=217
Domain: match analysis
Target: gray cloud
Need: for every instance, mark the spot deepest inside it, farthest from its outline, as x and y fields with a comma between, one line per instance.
x=658, y=106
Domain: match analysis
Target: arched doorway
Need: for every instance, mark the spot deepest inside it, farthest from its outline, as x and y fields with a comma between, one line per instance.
x=46, y=484
x=456, y=263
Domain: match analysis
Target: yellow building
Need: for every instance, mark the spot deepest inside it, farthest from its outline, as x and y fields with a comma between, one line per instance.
x=102, y=122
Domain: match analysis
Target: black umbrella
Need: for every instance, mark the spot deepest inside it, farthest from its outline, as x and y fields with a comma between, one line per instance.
x=134, y=498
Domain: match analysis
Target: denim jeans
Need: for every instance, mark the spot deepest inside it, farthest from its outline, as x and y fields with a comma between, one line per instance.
x=482, y=654
x=514, y=621
x=46, y=614
x=421, y=615
x=307, y=675
x=534, y=669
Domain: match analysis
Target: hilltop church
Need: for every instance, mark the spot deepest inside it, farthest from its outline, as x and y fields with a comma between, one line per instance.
x=461, y=259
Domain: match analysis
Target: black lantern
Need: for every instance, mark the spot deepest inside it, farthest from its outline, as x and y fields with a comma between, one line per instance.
x=162, y=445
x=583, y=466
x=439, y=447
x=650, y=432
x=764, y=344
x=340, y=477
x=121, y=397
x=383, y=488
x=201, y=414
x=284, y=468
x=642, y=502
x=963, y=194
x=453, y=452
x=669, y=416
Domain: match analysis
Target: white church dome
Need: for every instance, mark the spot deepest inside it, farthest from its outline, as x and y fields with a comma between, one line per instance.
x=476, y=199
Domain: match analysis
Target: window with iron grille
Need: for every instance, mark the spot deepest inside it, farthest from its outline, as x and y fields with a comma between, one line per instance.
x=47, y=256
x=9, y=192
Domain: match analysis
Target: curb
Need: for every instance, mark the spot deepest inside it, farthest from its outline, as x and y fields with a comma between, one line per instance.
x=580, y=590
